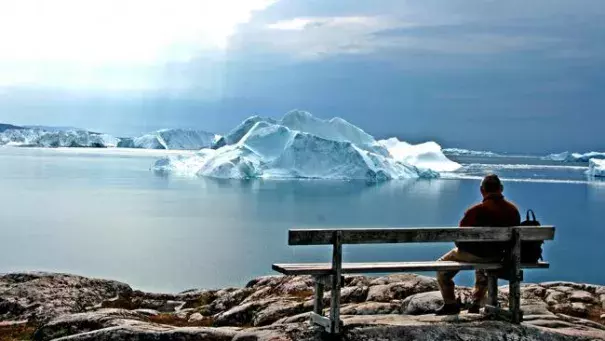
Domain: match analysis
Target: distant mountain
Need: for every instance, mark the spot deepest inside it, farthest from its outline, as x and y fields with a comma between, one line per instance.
x=4, y=127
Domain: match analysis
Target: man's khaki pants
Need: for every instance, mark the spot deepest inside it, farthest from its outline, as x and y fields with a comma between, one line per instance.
x=445, y=278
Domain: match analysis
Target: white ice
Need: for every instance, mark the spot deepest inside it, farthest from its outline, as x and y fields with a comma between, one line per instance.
x=177, y=139
x=574, y=157
x=58, y=138
x=468, y=152
x=596, y=168
x=428, y=155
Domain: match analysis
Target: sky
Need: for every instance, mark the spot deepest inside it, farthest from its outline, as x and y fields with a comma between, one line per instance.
x=516, y=76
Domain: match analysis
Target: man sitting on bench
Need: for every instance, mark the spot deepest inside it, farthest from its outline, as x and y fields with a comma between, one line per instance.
x=494, y=211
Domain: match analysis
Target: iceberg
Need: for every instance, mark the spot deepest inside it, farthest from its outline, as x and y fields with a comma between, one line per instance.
x=19, y=137
x=596, y=168
x=301, y=146
x=235, y=135
x=467, y=152
x=428, y=155
x=78, y=138
x=177, y=139
x=42, y=138
x=574, y=157
x=335, y=129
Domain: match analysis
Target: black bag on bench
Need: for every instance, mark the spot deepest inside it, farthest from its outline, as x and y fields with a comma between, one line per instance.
x=531, y=251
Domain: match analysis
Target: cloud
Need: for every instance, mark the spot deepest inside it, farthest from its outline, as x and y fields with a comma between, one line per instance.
x=115, y=31
x=394, y=29
x=312, y=38
x=116, y=45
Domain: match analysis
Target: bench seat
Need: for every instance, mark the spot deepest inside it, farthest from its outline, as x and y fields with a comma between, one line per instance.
x=379, y=267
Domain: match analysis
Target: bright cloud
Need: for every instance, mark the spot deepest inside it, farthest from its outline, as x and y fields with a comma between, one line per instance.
x=109, y=31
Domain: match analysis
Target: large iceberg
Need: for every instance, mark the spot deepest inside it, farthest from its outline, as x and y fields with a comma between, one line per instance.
x=42, y=138
x=428, y=155
x=301, y=146
x=179, y=139
x=574, y=157
x=596, y=168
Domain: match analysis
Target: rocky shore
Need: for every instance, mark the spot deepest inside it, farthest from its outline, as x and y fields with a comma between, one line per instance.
x=49, y=306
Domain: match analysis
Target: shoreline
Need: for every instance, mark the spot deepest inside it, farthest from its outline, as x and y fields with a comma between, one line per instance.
x=47, y=306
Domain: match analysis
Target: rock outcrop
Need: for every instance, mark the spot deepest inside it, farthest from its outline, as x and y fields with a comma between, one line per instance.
x=45, y=306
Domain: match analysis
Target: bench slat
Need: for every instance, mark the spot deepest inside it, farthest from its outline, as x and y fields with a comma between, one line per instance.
x=356, y=268
x=416, y=235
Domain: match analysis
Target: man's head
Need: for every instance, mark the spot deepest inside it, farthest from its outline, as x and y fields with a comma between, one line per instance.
x=491, y=184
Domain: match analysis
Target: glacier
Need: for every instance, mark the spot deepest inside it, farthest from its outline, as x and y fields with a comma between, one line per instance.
x=596, y=168
x=302, y=146
x=574, y=157
x=43, y=138
x=177, y=139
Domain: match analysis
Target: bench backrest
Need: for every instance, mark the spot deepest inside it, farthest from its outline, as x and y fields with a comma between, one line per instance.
x=416, y=235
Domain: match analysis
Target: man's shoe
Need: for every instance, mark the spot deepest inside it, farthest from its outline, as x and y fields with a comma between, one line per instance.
x=448, y=309
x=474, y=309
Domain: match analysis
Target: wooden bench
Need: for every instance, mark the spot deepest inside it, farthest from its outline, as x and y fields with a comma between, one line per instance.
x=331, y=273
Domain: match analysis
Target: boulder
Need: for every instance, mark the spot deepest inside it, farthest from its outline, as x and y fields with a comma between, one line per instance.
x=388, y=288
x=39, y=296
x=85, y=322
x=423, y=303
x=582, y=296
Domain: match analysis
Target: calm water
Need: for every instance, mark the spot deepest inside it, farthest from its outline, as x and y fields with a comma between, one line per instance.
x=103, y=214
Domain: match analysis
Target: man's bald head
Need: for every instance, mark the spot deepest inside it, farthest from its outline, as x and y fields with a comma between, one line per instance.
x=491, y=184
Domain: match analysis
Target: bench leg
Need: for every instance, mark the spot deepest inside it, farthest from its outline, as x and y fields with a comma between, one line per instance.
x=336, y=278
x=318, y=303
x=492, y=289
x=516, y=276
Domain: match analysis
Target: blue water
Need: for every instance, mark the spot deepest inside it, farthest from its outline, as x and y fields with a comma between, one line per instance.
x=105, y=215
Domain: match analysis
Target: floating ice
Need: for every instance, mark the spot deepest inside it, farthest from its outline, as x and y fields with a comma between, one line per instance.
x=301, y=146
x=467, y=152
x=426, y=155
x=180, y=139
x=596, y=168
x=574, y=157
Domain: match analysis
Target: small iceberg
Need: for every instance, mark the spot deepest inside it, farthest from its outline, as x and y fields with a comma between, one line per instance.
x=428, y=155
x=596, y=168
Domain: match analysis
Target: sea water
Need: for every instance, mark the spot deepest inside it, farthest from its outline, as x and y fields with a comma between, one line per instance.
x=103, y=213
